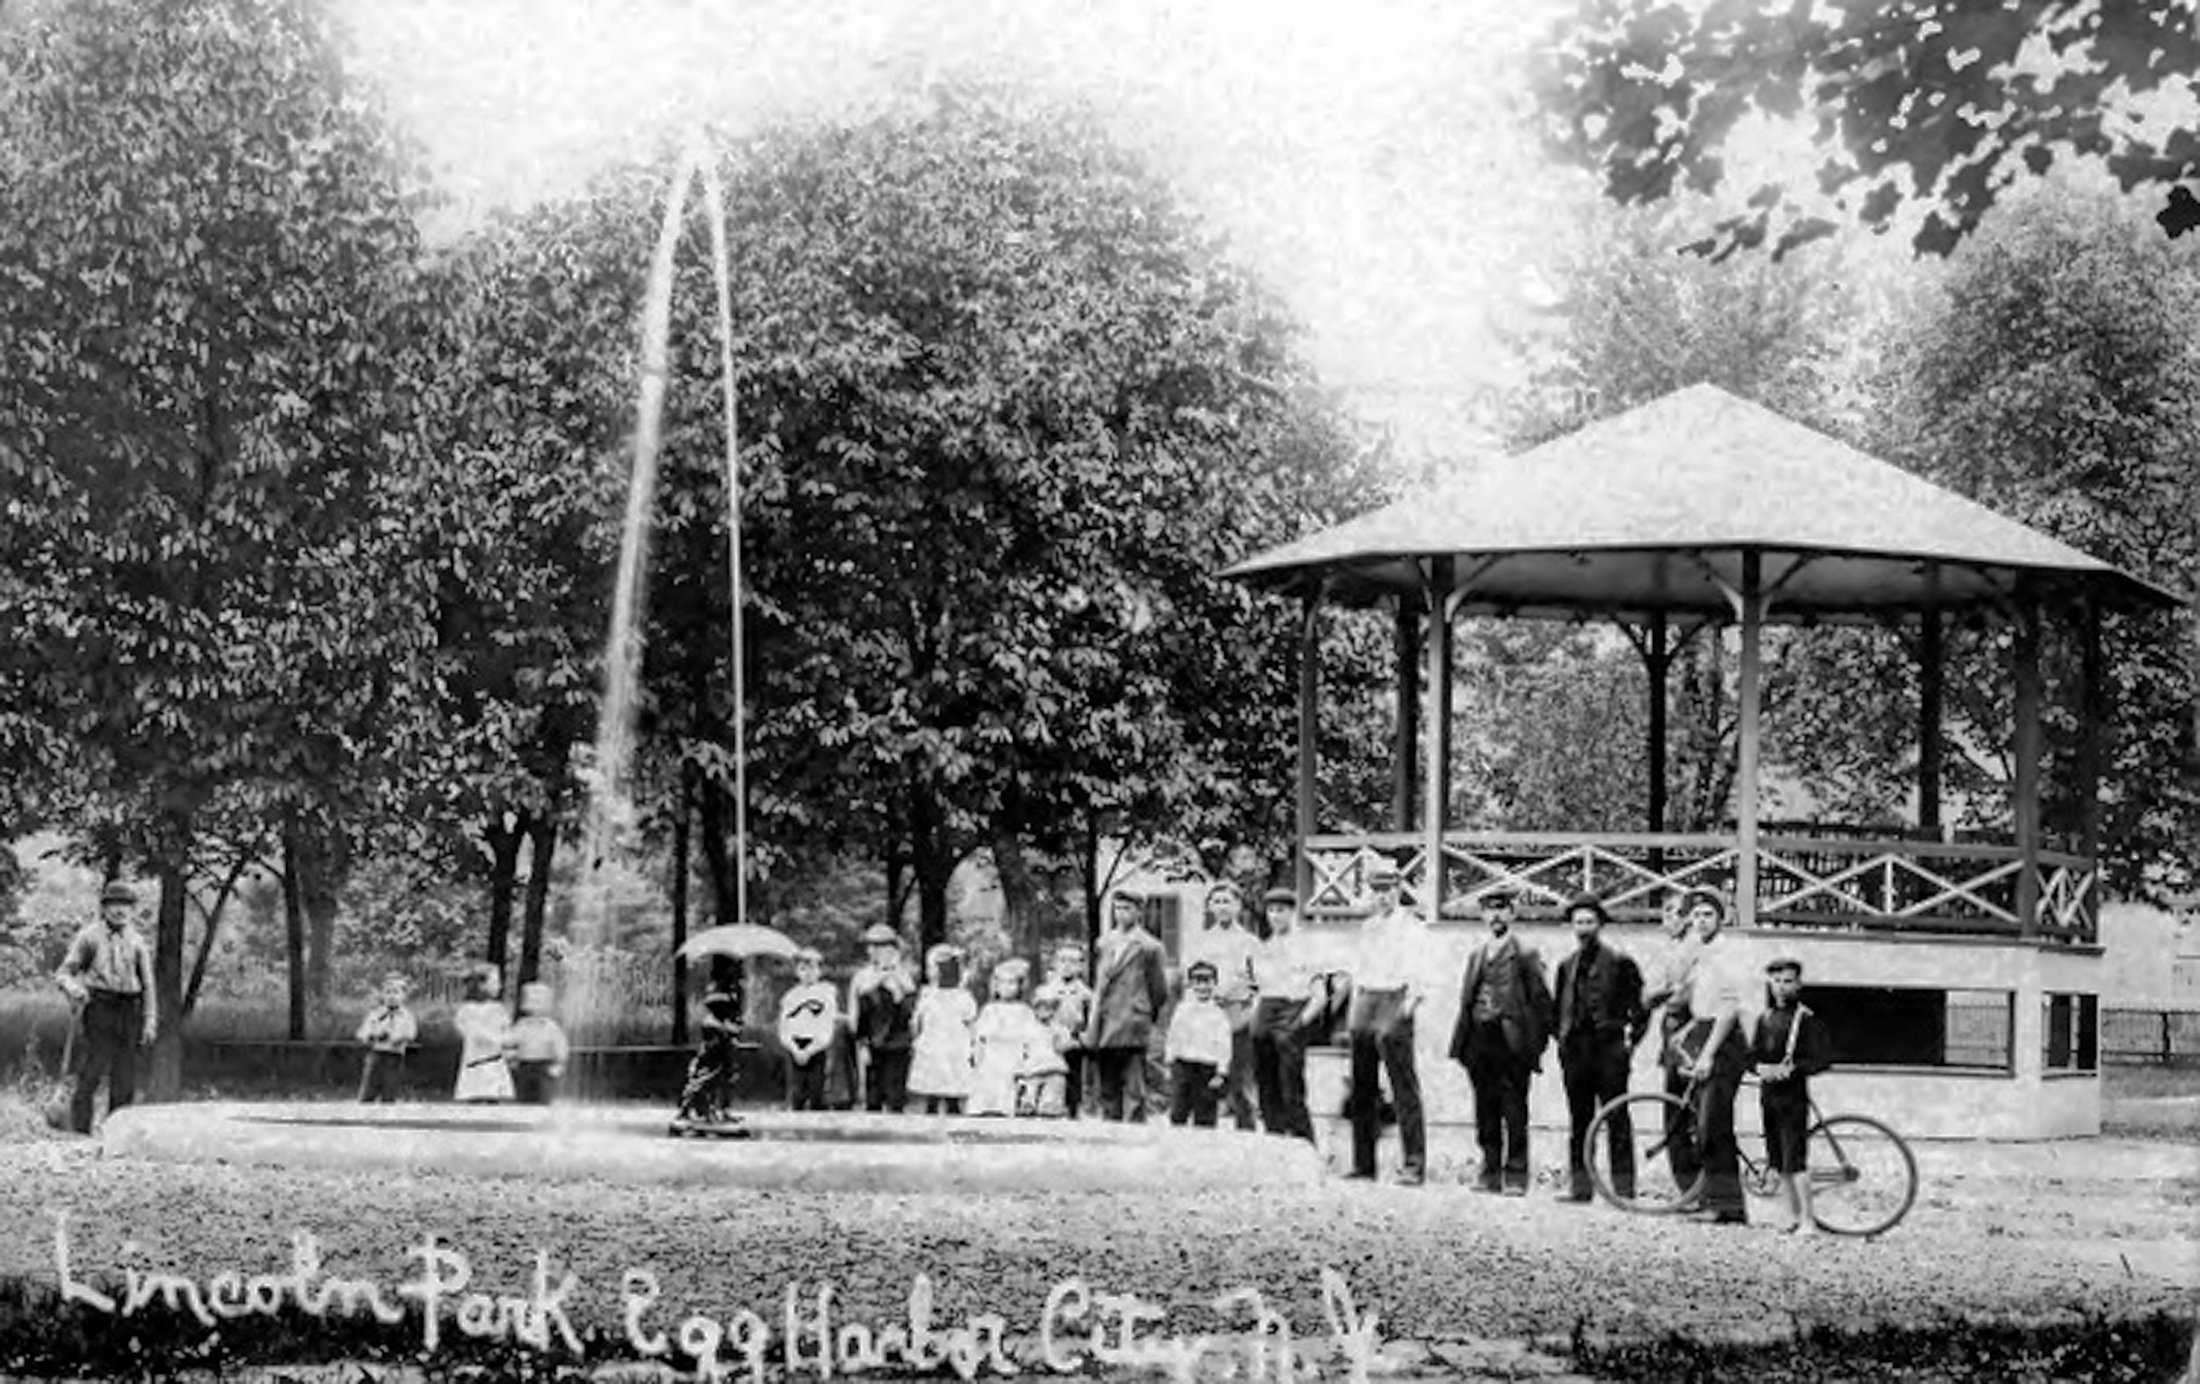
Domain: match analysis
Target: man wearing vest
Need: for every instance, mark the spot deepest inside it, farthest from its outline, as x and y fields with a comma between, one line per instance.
x=108, y=972
x=1600, y=1019
x=1504, y=1021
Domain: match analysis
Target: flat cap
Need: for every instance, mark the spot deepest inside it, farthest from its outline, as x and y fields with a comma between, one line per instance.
x=118, y=892
x=880, y=935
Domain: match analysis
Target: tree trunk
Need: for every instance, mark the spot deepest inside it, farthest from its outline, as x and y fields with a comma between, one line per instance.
x=211, y=928
x=544, y=839
x=1019, y=892
x=717, y=834
x=166, y=1078
x=933, y=863
x=1089, y=865
x=680, y=872
x=294, y=935
x=504, y=844
x=323, y=862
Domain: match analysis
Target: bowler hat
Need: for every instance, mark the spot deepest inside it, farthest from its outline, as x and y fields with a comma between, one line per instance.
x=118, y=892
x=1783, y=963
x=1497, y=898
x=1592, y=903
x=880, y=935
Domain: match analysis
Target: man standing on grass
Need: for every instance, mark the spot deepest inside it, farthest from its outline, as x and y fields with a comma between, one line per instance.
x=1504, y=1022
x=108, y=977
x=1388, y=984
x=1600, y=1019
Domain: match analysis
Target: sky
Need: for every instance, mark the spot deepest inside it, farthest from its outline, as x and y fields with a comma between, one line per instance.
x=1362, y=156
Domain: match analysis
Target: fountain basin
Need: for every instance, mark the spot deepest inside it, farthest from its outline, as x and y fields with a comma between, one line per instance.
x=812, y=1151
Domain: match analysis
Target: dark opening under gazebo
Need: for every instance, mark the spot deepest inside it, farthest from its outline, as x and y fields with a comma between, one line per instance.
x=1703, y=511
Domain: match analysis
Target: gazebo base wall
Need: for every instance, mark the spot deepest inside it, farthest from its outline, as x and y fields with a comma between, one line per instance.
x=1987, y=1001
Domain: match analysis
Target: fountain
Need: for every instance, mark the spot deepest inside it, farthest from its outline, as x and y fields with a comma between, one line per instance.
x=809, y=1151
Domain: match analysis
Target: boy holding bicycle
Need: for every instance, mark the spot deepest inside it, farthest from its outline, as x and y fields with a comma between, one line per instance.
x=1788, y=1048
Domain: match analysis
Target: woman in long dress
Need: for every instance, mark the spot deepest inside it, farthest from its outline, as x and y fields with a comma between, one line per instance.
x=482, y=1025
x=939, y=1060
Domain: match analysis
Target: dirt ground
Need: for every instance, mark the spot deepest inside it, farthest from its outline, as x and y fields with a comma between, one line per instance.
x=1454, y=1285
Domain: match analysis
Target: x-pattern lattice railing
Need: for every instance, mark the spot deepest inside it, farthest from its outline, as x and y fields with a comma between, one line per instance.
x=1845, y=882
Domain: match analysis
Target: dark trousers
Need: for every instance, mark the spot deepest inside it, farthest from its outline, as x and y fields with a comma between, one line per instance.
x=1243, y=1088
x=806, y=1083
x=112, y=1025
x=1279, y=1069
x=1375, y=1055
x=1073, y=1091
x=1595, y=1069
x=378, y=1076
x=1722, y=1155
x=1122, y=1078
x=1500, y=1078
x=887, y=1086
x=532, y=1083
x=1192, y=1094
x=1680, y=1132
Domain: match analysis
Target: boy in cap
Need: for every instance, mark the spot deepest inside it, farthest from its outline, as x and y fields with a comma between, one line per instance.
x=388, y=1033
x=1789, y=1048
x=1129, y=994
x=809, y=1014
x=108, y=975
x=1198, y=1049
x=883, y=997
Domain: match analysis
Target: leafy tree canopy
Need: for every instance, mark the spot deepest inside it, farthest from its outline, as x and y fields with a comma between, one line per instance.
x=1912, y=100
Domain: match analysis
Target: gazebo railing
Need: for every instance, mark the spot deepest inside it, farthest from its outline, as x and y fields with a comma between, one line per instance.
x=1804, y=881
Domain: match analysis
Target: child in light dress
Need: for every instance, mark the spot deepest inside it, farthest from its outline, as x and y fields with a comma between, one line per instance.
x=482, y=1024
x=1042, y=1081
x=1006, y=1032
x=940, y=1054
x=1064, y=1001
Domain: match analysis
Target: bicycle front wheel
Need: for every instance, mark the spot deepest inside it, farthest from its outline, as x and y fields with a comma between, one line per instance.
x=1863, y=1178
x=1630, y=1148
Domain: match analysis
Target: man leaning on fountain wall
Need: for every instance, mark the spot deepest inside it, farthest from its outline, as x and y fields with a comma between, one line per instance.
x=108, y=977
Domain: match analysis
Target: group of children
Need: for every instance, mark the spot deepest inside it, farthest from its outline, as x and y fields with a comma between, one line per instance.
x=1012, y=1056
x=500, y=1058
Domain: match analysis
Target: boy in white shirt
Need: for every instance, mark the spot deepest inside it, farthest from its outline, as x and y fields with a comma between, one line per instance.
x=809, y=1016
x=1198, y=1050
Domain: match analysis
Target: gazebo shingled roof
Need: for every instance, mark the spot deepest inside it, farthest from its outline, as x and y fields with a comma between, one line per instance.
x=1650, y=511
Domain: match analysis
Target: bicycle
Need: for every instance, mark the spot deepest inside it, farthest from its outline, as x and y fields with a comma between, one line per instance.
x=1863, y=1177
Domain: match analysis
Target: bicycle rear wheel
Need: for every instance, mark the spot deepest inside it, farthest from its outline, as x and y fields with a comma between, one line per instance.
x=1649, y=1123
x=1863, y=1178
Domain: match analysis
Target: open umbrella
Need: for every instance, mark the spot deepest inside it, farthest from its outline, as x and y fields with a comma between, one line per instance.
x=740, y=939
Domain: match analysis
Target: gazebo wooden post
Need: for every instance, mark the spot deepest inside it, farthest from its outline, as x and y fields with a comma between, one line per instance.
x=1407, y=746
x=1752, y=604
x=1310, y=689
x=1439, y=587
x=1659, y=661
x=2026, y=807
x=1930, y=659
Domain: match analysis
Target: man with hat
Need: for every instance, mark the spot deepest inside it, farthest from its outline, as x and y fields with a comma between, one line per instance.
x=108, y=975
x=1504, y=1021
x=883, y=997
x=1386, y=992
x=1600, y=1019
x=1285, y=1007
x=1129, y=993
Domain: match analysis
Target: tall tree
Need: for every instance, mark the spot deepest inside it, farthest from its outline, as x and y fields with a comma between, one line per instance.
x=203, y=231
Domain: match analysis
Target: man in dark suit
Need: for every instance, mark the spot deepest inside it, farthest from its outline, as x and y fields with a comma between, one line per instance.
x=1130, y=989
x=1600, y=1019
x=1504, y=1021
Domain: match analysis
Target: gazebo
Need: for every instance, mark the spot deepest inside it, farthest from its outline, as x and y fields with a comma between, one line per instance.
x=1964, y=969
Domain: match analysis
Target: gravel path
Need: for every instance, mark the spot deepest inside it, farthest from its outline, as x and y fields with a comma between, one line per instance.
x=2001, y=1232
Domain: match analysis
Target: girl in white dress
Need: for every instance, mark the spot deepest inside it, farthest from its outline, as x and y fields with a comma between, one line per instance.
x=482, y=1025
x=939, y=1054
x=1006, y=1030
